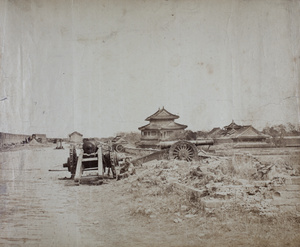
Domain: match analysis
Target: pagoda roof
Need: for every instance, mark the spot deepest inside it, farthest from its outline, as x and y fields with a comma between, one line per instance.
x=246, y=131
x=173, y=126
x=233, y=125
x=168, y=126
x=162, y=114
x=150, y=126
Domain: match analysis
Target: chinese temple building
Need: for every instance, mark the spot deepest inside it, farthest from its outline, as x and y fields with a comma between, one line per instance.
x=237, y=133
x=162, y=125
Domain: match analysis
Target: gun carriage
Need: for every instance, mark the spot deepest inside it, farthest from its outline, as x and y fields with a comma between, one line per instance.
x=92, y=157
x=179, y=150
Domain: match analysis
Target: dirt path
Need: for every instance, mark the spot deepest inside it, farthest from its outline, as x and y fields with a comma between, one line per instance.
x=38, y=209
x=35, y=209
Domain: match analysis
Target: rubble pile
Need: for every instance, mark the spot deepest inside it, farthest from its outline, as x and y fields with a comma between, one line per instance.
x=240, y=182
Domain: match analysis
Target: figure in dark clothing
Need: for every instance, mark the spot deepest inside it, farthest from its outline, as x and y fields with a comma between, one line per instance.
x=108, y=164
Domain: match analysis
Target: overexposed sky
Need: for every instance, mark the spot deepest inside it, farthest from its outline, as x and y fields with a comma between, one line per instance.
x=103, y=66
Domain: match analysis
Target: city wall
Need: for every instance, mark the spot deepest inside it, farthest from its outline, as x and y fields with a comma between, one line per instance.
x=7, y=138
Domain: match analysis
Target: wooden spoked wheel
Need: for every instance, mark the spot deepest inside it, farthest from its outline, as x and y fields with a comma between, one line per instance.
x=72, y=161
x=183, y=150
x=120, y=148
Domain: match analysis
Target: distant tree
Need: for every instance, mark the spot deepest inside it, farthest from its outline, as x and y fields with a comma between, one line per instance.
x=202, y=134
x=190, y=135
x=130, y=137
x=176, y=136
x=184, y=135
x=277, y=132
x=293, y=130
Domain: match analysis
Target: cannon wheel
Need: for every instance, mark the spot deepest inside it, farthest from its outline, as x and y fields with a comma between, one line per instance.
x=72, y=161
x=183, y=150
x=120, y=148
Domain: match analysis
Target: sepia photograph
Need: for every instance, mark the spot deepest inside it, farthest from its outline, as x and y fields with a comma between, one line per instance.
x=146, y=123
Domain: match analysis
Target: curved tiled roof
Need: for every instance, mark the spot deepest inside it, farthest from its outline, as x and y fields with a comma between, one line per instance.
x=162, y=114
x=168, y=126
x=173, y=126
x=150, y=126
x=233, y=125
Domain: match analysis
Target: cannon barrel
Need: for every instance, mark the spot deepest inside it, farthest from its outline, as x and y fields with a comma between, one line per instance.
x=203, y=142
x=167, y=144
x=89, y=147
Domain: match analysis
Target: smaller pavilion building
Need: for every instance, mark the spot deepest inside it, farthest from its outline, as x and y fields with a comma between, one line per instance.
x=162, y=125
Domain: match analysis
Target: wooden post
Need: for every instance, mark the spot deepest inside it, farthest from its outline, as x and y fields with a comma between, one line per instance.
x=100, y=162
x=79, y=168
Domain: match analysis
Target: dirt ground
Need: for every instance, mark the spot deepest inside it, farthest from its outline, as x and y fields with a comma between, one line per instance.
x=39, y=209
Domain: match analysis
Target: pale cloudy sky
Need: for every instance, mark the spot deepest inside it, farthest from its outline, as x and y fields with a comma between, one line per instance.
x=103, y=66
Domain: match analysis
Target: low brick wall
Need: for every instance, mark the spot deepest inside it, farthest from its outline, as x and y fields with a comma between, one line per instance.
x=292, y=141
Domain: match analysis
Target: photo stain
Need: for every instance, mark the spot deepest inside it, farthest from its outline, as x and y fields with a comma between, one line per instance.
x=209, y=68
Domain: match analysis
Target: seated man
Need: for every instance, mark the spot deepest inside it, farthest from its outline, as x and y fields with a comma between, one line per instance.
x=126, y=169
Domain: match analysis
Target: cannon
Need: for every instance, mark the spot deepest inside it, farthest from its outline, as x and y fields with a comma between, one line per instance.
x=91, y=157
x=184, y=150
x=179, y=150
